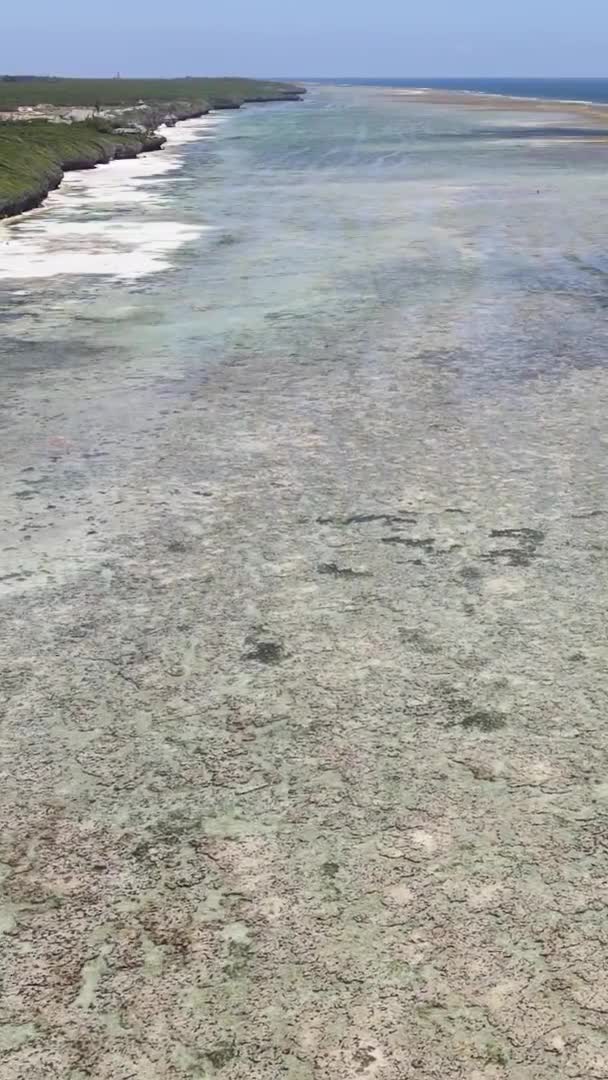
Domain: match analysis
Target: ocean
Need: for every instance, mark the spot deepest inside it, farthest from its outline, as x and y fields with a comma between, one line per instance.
x=303, y=588
x=560, y=89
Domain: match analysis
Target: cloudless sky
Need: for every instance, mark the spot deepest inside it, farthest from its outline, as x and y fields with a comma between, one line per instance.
x=302, y=38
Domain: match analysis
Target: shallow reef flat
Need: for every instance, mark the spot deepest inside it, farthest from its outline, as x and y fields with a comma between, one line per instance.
x=303, y=594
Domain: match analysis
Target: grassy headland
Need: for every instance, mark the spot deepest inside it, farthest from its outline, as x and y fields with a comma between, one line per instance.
x=53, y=125
x=35, y=154
x=18, y=91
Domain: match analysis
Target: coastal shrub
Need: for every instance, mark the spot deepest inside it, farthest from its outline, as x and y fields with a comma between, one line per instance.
x=35, y=152
x=108, y=92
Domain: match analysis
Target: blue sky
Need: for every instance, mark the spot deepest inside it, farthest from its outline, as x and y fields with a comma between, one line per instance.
x=306, y=37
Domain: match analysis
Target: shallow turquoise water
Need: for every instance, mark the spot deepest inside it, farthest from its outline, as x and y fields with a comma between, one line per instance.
x=332, y=218
x=462, y=243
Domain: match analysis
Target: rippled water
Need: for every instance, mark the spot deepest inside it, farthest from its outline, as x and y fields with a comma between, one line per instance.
x=304, y=593
x=349, y=206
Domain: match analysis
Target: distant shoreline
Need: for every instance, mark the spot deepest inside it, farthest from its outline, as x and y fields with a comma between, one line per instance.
x=579, y=90
x=423, y=93
x=590, y=111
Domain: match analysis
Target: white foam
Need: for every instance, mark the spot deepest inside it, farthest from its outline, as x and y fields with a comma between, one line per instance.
x=58, y=239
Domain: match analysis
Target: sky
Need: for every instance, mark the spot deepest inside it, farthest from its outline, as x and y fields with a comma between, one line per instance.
x=309, y=38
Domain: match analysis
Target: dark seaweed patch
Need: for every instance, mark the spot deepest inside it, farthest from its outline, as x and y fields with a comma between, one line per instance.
x=220, y=1055
x=528, y=539
x=530, y=536
x=516, y=556
x=418, y=639
x=364, y=1057
x=470, y=573
x=334, y=570
x=408, y=541
x=406, y=518
x=483, y=721
x=266, y=652
x=330, y=869
x=177, y=547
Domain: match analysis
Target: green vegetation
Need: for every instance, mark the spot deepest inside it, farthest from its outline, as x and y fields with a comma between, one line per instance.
x=35, y=153
x=34, y=156
x=210, y=93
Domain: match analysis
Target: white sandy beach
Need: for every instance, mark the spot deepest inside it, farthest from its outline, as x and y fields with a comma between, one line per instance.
x=60, y=238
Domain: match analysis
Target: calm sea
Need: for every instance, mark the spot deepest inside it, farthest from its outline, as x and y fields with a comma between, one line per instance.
x=557, y=89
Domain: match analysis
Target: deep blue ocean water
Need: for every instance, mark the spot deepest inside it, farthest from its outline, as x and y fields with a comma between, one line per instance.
x=558, y=89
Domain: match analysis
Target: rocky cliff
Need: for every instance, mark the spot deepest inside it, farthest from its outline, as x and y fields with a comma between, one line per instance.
x=39, y=143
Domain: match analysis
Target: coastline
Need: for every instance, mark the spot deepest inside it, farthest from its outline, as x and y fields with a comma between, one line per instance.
x=102, y=141
x=592, y=112
x=153, y=144
x=81, y=228
x=34, y=199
